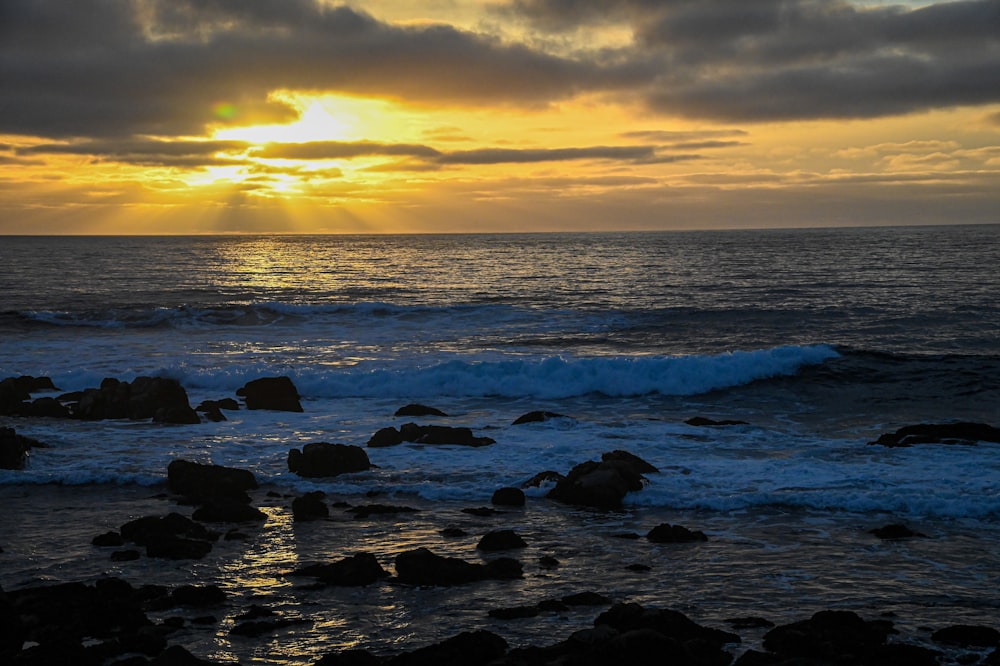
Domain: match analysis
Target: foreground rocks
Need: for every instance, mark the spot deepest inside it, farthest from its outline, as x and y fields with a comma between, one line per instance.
x=274, y=393
x=939, y=433
x=321, y=459
x=603, y=485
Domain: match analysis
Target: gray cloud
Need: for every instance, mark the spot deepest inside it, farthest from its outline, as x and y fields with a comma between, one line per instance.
x=145, y=152
x=327, y=150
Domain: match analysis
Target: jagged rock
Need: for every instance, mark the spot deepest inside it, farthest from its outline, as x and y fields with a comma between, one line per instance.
x=177, y=415
x=536, y=417
x=108, y=539
x=201, y=482
x=414, y=409
x=667, y=533
x=354, y=571
x=601, y=485
x=427, y=434
x=422, y=567
x=501, y=540
x=14, y=448
x=895, y=531
x=310, y=507
x=508, y=497
x=321, y=459
x=939, y=433
x=701, y=421
x=840, y=636
x=274, y=393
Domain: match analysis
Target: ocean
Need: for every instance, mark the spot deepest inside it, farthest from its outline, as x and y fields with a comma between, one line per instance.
x=819, y=340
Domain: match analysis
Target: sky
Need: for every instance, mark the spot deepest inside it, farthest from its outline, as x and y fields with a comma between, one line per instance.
x=396, y=116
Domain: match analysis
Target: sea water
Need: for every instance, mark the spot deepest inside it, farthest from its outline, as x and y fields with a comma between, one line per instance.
x=819, y=340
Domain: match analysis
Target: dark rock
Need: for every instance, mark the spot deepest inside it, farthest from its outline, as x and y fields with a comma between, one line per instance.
x=16, y=391
x=508, y=497
x=552, y=606
x=177, y=548
x=198, y=596
x=275, y=393
x=108, y=539
x=175, y=655
x=481, y=511
x=453, y=532
x=349, y=658
x=157, y=397
x=225, y=403
x=639, y=568
x=127, y=555
x=514, y=613
x=967, y=636
x=626, y=535
x=257, y=628
x=749, y=623
x=178, y=415
x=224, y=510
x=141, y=530
x=670, y=623
x=354, y=571
x=895, y=531
x=414, y=409
x=501, y=540
x=14, y=448
x=633, y=461
x=701, y=421
x=321, y=459
x=536, y=417
x=548, y=562
x=310, y=507
x=471, y=648
x=202, y=482
x=666, y=533
x=586, y=599
x=940, y=433
x=47, y=408
x=601, y=485
x=543, y=477
x=367, y=510
x=427, y=434
x=422, y=567
x=829, y=635
x=213, y=414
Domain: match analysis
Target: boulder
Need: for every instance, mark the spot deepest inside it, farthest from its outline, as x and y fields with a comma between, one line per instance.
x=838, y=636
x=414, y=409
x=536, y=417
x=198, y=596
x=470, y=648
x=939, y=433
x=968, y=636
x=310, y=507
x=354, y=571
x=427, y=434
x=202, y=482
x=14, y=448
x=422, y=567
x=46, y=408
x=667, y=533
x=500, y=540
x=274, y=393
x=631, y=460
x=16, y=391
x=601, y=485
x=225, y=510
x=670, y=623
x=321, y=459
x=159, y=397
x=508, y=497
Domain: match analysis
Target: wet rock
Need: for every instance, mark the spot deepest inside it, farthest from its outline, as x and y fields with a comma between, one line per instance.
x=427, y=434
x=349, y=658
x=601, y=485
x=14, y=448
x=366, y=511
x=15, y=392
x=422, y=567
x=212, y=409
x=840, y=636
x=224, y=510
x=547, y=476
x=47, y=408
x=501, y=540
x=939, y=433
x=141, y=530
x=453, y=532
x=701, y=422
x=548, y=562
x=175, y=655
x=669, y=623
x=514, y=613
x=257, y=628
x=310, y=507
x=414, y=409
x=508, y=497
x=354, y=571
x=177, y=415
x=108, y=539
x=471, y=648
x=481, y=511
x=201, y=482
x=749, y=622
x=274, y=393
x=586, y=599
x=967, y=636
x=895, y=531
x=667, y=533
x=639, y=568
x=198, y=596
x=177, y=548
x=536, y=417
x=633, y=461
x=128, y=555
x=322, y=459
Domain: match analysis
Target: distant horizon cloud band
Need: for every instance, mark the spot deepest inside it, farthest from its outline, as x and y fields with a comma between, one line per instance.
x=383, y=116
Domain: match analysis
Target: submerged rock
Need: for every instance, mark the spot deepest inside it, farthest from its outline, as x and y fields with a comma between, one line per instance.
x=939, y=433
x=536, y=417
x=500, y=540
x=667, y=533
x=414, y=409
x=422, y=567
x=310, y=507
x=427, y=434
x=701, y=422
x=895, y=531
x=354, y=571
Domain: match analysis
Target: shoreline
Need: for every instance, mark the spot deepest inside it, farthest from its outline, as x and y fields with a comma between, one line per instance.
x=783, y=566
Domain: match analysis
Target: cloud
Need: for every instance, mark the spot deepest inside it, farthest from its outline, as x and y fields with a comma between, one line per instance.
x=328, y=150
x=148, y=152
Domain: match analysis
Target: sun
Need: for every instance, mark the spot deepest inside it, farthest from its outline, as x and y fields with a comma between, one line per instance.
x=315, y=123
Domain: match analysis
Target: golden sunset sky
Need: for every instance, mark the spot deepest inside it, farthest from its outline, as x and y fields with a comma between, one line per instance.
x=315, y=116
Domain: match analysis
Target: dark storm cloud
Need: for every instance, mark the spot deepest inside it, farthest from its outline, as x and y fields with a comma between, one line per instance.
x=513, y=155
x=116, y=67
x=799, y=59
